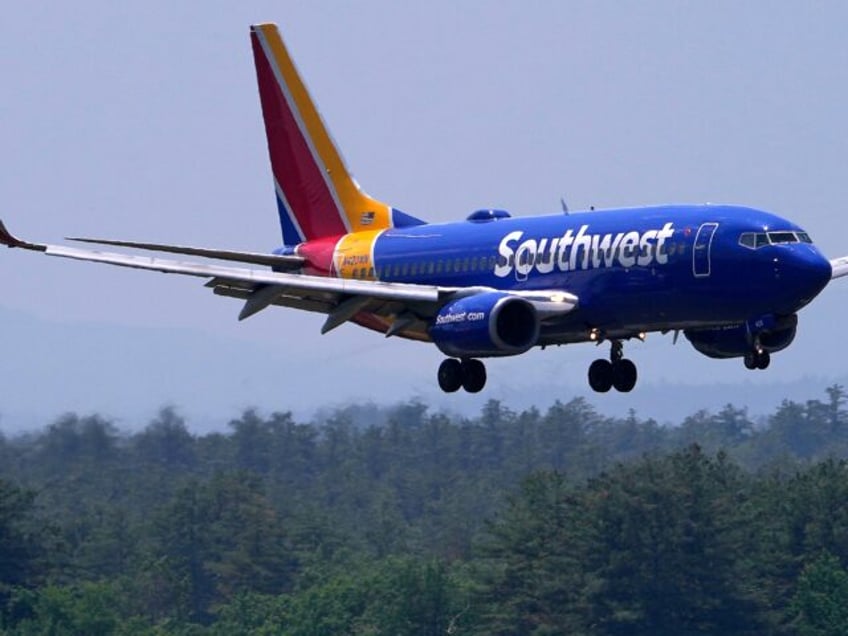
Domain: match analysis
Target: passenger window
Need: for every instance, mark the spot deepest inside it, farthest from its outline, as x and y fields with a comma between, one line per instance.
x=440, y=266
x=431, y=267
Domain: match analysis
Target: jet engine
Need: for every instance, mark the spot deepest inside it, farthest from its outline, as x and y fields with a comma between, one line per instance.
x=485, y=324
x=770, y=334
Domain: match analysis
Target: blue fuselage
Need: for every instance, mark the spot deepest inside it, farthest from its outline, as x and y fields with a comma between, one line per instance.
x=633, y=270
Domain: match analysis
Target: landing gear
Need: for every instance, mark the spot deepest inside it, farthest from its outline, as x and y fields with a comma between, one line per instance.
x=757, y=360
x=618, y=372
x=450, y=375
x=473, y=375
x=600, y=376
x=469, y=374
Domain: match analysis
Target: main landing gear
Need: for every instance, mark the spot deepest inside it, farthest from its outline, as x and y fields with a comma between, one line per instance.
x=468, y=373
x=618, y=371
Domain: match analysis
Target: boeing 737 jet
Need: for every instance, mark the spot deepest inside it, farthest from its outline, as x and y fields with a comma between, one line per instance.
x=731, y=279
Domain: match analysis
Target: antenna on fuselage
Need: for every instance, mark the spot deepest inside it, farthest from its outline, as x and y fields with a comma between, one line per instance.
x=564, y=205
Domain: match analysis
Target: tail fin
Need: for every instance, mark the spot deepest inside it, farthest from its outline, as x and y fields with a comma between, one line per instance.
x=316, y=195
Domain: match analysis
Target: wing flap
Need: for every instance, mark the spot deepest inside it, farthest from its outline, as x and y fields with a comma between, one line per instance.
x=293, y=302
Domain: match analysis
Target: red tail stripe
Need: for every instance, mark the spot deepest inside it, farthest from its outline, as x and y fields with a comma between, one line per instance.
x=292, y=161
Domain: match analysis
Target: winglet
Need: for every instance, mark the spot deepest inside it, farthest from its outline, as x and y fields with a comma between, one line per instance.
x=10, y=240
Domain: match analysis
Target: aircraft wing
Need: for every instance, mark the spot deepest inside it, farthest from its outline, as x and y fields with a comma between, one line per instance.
x=840, y=267
x=407, y=305
x=278, y=261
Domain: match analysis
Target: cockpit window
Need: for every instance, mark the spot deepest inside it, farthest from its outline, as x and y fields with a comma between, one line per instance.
x=747, y=239
x=756, y=240
x=783, y=237
x=753, y=240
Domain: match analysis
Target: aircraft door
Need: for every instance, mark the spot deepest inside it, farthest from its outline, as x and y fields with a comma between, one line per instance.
x=701, y=250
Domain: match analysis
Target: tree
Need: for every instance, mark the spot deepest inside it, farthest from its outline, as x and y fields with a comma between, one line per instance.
x=23, y=547
x=668, y=545
x=219, y=539
x=166, y=442
x=531, y=569
x=820, y=603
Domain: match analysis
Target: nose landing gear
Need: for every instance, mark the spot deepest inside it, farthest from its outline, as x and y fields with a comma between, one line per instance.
x=618, y=371
x=468, y=373
x=757, y=360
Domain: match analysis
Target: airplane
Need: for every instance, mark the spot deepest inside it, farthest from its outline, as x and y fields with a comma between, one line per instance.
x=730, y=278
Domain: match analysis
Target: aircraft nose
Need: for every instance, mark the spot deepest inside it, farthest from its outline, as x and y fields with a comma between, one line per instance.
x=807, y=272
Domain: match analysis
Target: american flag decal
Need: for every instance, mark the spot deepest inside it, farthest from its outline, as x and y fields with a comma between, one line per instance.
x=367, y=218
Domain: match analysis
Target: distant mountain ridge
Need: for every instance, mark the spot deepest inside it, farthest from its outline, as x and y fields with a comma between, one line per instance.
x=127, y=373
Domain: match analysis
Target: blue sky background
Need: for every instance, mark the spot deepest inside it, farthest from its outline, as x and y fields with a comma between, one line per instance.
x=143, y=122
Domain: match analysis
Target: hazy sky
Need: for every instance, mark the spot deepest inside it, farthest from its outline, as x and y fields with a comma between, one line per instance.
x=143, y=122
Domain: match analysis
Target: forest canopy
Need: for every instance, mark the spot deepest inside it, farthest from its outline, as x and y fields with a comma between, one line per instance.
x=405, y=521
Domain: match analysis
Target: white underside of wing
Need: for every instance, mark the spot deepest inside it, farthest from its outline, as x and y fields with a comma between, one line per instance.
x=546, y=302
x=374, y=289
x=839, y=266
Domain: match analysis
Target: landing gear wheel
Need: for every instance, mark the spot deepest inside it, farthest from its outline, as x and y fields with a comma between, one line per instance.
x=473, y=375
x=755, y=360
x=601, y=375
x=624, y=375
x=450, y=375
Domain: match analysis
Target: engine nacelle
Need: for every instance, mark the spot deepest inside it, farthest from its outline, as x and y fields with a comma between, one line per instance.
x=484, y=325
x=772, y=334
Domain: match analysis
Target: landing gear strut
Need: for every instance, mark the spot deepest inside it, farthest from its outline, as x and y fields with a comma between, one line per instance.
x=468, y=373
x=618, y=371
